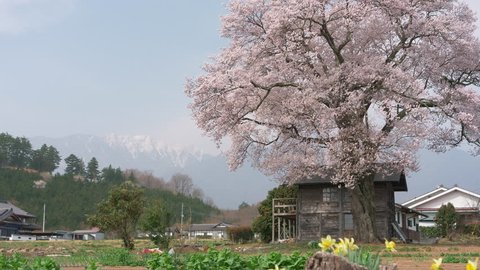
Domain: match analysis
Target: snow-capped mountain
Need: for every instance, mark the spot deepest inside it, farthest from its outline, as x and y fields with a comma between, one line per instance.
x=229, y=189
x=141, y=145
x=209, y=172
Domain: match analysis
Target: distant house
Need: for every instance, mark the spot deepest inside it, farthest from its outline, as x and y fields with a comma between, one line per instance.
x=92, y=234
x=15, y=221
x=213, y=231
x=323, y=208
x=406, y=221
x=466, y=203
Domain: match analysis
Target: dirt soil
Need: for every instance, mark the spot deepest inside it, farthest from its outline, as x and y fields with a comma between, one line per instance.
x=434, y=252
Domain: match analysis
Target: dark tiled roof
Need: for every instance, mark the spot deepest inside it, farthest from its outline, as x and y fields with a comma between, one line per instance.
x=408, y=210
x=17, y=211
x=398, y=180
x=5, y=213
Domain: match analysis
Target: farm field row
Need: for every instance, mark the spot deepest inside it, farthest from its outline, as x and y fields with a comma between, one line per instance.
x=74, y=255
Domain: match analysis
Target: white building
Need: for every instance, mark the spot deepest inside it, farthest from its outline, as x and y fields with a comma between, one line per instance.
x=466, y=203
x=210, y=231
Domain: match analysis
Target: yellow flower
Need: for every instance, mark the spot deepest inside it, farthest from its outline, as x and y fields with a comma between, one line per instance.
x=327, y=243
x=340, y=248
x=390, y=246
x=277, y=268
x=344, y=246
x=350, y=244
x=437, y=264
x=472, y=265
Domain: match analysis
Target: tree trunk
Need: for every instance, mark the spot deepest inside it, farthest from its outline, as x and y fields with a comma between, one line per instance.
x=128, y=242
x=363, y=210
x=329, y=261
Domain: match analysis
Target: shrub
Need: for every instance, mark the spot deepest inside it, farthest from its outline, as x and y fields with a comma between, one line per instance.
x=446, y=219
x=472, y=229
x=429, y=232
x=240, y=234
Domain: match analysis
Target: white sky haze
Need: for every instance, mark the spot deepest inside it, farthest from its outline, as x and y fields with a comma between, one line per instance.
x=110, y=66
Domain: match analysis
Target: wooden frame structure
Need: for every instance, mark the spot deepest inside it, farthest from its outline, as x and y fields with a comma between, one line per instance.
x=284, y=219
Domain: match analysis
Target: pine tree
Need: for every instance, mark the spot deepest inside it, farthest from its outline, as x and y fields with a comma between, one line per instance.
x=45, y=159
x=75, y=165
x=92, y=170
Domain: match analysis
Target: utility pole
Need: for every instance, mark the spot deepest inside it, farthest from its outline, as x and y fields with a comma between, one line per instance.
x=43, y=224
x=181, y=222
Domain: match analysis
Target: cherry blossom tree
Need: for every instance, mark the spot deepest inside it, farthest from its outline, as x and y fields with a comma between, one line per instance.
x=310, y=87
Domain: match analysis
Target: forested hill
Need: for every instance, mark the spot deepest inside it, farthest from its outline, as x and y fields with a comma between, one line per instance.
x=69, y=199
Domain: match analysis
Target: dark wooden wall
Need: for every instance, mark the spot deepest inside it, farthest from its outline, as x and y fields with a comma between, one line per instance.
x=317, y=219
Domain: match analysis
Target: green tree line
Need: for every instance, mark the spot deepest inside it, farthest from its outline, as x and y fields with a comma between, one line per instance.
x=17, y=152
x=69, y=200
x=72, y=196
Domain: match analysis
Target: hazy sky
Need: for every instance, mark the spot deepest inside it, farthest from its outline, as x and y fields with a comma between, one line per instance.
x=100, y=67
x=110, y=66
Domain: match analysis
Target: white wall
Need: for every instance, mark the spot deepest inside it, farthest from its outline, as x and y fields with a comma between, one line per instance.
x=457, y=198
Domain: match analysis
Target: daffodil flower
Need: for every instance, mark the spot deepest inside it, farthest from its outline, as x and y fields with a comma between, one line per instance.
x=472, y=265
x=327, y=244
x=277, y=268
x=390, y=246
x=437, y=264
x=340, y=248
x=350, y=244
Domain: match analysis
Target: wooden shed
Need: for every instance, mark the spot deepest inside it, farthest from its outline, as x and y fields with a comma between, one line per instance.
x=325, y=209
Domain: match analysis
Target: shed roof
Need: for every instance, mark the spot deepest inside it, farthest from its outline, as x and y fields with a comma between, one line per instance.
x=398, y=180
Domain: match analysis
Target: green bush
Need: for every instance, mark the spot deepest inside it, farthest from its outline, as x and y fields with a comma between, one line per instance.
x=472, y=229
x=446, y=219
x=429, y=232
x=240, y=234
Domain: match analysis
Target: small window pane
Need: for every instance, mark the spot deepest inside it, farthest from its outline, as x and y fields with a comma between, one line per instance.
x=330, y=194
x=348, y=221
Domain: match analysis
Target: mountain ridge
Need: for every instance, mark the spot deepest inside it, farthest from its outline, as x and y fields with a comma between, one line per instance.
x=208, y=171
x=229, y=189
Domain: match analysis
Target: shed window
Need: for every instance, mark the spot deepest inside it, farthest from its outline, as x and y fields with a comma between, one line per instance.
x=348, y=222
x=346, y=196
x=330, y=194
